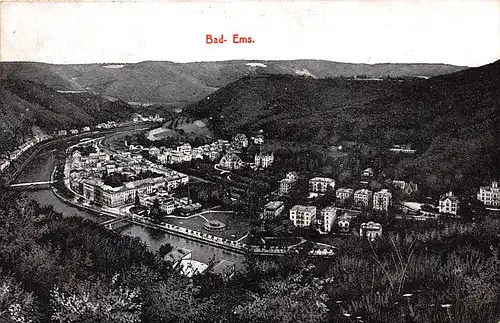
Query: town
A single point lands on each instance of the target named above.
(141, 183)
(144, 176)
(342, 165)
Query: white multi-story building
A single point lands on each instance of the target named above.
(287, 183)
(154, 151)
(382, 200)
(164, 158)
(343, 226)
(489, 195)
(343, 194)
(303, 216)
(329, 217)
(448, 203)
(285, 186)
(272, 210)
(240, 141)
(264, 160)
(231, 161)
(185, 148)
(176, 157)
(321, 184)
(293, 175)
(370, 230)
(363, 197)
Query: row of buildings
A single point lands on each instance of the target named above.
(329, 219)
(380, 200)
(10, 156)
(232, 161)
(64, 132)
(186, 153)
(86, 177)
(106, 125)
(324, 221)
(156, 118)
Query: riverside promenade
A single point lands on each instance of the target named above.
(194, 235)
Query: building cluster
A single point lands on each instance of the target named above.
(330, 219)
(231, 160)
(380, 200)
(223, 150)
(86, 178)
(106, 125)
(186, 153)
(74, 131)
(156, 118)
(8, 157)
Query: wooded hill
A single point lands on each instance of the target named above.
(453, 120)
(25, 104)
(180, 83)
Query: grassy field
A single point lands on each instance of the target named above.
(197, 127)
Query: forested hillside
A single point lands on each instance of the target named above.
(452, 120)
(25, 104)
(182, 83)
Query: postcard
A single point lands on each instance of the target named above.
(250, 161)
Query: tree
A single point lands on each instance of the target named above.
(137, 200)
(155, 212)
(96, 301)
(16, 305)
(164, 249)
(295, 298)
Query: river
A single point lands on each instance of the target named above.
(41, 168)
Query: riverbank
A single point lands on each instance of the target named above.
(197, 236)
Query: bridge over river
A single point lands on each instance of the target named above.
(32, 185)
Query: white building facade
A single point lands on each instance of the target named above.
(303, 216)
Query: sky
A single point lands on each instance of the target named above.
(459, 32)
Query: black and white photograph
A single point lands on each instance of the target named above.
(250, 161)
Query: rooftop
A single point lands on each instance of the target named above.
(322, 179)
(371, 226)
(273, 205)
(345, 190)
(177, 254)
(303, 208)
(223, 266)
